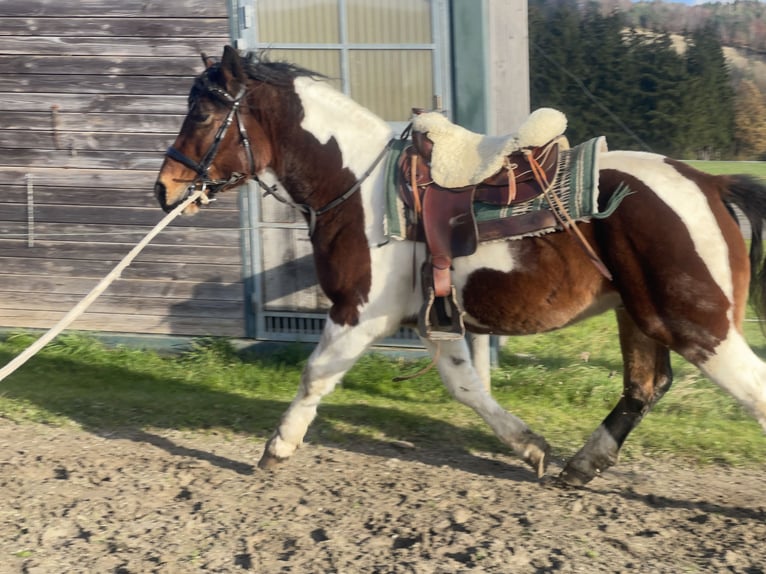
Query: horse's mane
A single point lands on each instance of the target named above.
(257, 66)
(281, 74)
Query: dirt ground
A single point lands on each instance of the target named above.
(136, 502)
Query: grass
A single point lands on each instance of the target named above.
(545, 379)
(757, 168)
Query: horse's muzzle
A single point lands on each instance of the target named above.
(160, 192)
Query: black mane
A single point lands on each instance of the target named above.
(259, 67)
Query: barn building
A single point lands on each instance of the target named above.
(94, 92)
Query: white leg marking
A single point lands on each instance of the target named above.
(601, 445)
(736, 369)
(463, 383)
(337, 351)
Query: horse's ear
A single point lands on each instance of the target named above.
(207, 60)
(232, 68)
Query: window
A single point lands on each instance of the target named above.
(388, 56)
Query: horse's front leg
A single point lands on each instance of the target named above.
(337, 351)
(453, 361)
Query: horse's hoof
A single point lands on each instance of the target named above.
(269, 461)
(536, 455)
(577, 477)
(556, 481)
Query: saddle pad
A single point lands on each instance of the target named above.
(576, 185)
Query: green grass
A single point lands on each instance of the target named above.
(545, 379)
(757, 168)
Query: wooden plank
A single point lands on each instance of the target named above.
(160, 271)
(134, 27)
(93, 122)
(101, 179)
(82, 159)
(122, 216)
(127, 323)
(116, 197)
(95, 103)
(181, 66)
(44, 141)
(202, 290)
(14, 193)
(172, 235)
(132, 305)
(114, 8)
(84, 46)
(222, 255)
(97, 84)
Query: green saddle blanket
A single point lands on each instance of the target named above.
(576, 186)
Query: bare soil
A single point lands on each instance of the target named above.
(137, 501)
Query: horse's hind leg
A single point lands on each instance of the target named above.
(738, 370)
(453, 361)
(337, 351)
(647, 376)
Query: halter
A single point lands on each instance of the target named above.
(314, 213)
(201, 168)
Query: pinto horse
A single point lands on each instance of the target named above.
(680, 269)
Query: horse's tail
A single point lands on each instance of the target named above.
(748, 193)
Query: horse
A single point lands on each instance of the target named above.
(680, 271)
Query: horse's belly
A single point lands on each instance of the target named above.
(531, 286)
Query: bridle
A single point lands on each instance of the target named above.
(213, 186)
(203, 179)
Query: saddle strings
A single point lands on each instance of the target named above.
(562, 215)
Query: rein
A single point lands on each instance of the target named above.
(314, 213)
(201, 168)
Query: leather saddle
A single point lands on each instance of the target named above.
(444, 217)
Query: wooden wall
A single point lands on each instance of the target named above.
(92, 93)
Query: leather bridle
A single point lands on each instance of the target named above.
(212, 186)
(201, 167)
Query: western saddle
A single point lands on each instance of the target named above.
(444, 171)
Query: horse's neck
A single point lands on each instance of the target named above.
(360, 135)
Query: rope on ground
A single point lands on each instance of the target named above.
(80, 308)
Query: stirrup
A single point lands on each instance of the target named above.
(435, 324)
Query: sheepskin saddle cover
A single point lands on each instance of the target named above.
(462, 158)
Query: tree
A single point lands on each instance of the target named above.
(750, 122)
(656, 93)
(709, 97)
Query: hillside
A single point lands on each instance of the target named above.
(740, 24)
(747, 64)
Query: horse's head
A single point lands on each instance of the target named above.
(221, 143)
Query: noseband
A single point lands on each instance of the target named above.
(201, 168)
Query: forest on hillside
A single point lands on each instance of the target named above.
(740, 24)
(634, 85)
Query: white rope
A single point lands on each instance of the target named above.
(79, 309)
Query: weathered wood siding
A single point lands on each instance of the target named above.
(92, 93)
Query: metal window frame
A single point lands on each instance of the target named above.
(301, 326)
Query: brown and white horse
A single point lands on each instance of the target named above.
(680, 267)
